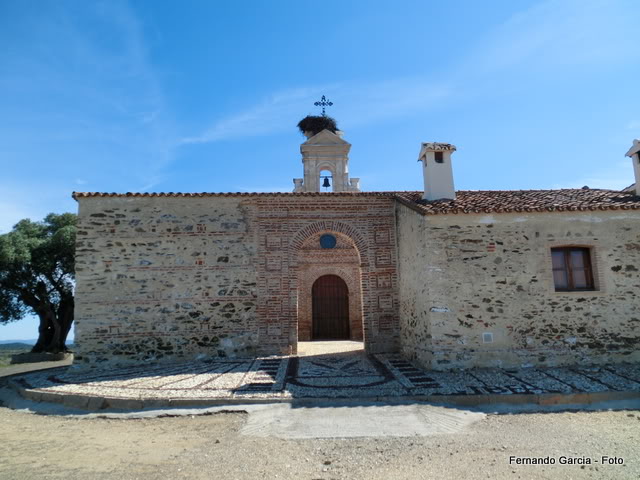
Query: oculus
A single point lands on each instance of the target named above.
(328, 241)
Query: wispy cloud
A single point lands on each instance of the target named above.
(104, 111)
(99, 104)
(556, 35)
(561, 35)
(393, 98)
(359, 104)
(271, 115)
(616, 176)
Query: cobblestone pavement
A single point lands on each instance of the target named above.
(349, 374)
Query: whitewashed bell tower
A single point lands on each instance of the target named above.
(324, 151)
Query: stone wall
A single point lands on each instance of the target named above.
(170, 278)
(413, 264)
(465, 275)
(164, 278)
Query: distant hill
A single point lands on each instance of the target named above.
(15, 345)
(26, 342)
(20, 345)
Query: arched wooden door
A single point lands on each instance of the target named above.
(330, 308)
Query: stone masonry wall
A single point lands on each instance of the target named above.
(164, 278)
(465, 275)
(170, 278)
(415, 328)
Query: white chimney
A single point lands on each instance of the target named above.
(437, 171)
(634, 153)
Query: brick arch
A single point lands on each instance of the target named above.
(306, 270)
(344, 242)
(330, 226)
(329, 271)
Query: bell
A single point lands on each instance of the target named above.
(326, 183)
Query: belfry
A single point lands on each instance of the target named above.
(325, 151)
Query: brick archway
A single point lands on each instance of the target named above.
(314, 262)
(284, 223)
(329, 226)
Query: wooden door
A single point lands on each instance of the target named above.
(330, 308)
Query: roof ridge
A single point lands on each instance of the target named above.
(370, 192)
(467, 201)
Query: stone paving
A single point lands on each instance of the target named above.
(347, 374)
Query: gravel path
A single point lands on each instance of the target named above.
(206, 447)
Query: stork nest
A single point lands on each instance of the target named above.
(316, 124)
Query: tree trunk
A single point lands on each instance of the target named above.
(65, 318)
(54, 326)
(45, 329)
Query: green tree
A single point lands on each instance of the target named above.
(37, 263)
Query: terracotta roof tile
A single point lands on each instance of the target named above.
(77, 195)
(505, 201)
(492, 201)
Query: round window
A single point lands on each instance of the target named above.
(328, 241)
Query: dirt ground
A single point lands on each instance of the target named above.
(212, 446)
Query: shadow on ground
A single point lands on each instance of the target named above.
(349, 375)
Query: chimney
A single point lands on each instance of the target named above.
(437, 171)
(634, 153)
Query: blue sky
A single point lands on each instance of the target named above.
(205, 95)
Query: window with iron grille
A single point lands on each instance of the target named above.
(572, 270)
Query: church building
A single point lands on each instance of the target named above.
(450, 279)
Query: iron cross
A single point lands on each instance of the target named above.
(323, 103)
